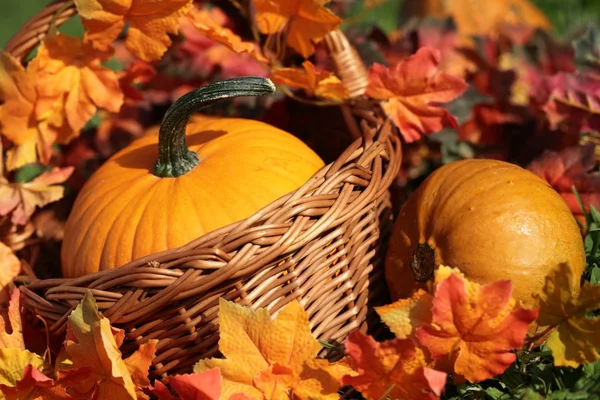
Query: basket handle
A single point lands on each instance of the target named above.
(37, 27)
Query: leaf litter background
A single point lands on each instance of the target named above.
(562, 368)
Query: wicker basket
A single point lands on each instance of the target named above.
(322, 244)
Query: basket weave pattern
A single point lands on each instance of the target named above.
(322, 245)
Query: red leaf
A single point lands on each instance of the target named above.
(571, 167)
(413, 91)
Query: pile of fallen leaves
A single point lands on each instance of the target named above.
(455, 87)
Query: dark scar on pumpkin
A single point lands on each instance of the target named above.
(422, 263)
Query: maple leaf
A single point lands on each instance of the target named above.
(572, 166)
(149, 23)
(199, 386)
(306, 21)
(267, 358)
(476, 329)
(20, 121)
(72, 70)
(564, 305)
(35, 385)
(394, 369)
(138, 364)
(413, 91)
(91, 342)
(492, 124)
(209, 22)
(571, 101)
(10, 266)
(138, 72)
(21, 199)
(319, 83)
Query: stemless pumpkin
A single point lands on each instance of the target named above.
(158, 194)
(492, 220)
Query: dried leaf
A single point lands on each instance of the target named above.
(564, 305)
(138, 364)
(572, 166)
(10, 266)
(306, 21)
(413, 91)
(149, 23)
(35, 385)
(394, 369)
(318, 83)
(92, 343)
(476, 329)
(20, 121)
(72, 70)
(406, 315)
(266, 358)
(207, 22)
(200, 386)
(13, 340)
(21, 199)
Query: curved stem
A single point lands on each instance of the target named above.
(174, 157)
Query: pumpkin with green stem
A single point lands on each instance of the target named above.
(158, 193)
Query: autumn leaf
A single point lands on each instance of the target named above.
(138, 364)
(318, 83)
(394, 369)
(200, 386)
(405, 315)
(571, 101)
(267, 358)
(572, 166)
(10, 266)
(412, 92)
(149, 23)
(21, 199)
(305, 21)
(475, 326)
(138, 72)
(565, 306)
(13, 340)
(91, 343)
(207, 22)
(69, 68)
(35, 385)
(20, 121)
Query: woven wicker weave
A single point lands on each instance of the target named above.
(322, 244)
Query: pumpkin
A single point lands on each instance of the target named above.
(474, 18)
(158, 193)
(492, 220)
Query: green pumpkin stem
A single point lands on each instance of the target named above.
(174, 157)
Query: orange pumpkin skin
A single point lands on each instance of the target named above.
(125, 212)
(490, 219)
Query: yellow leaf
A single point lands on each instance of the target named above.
(10, 266)
(564, 305)
(15, 339)
(306, 21)
(150, 23)
(91, 343)
(318, 83)
(267, 358)
(13, 363)
(406, 315)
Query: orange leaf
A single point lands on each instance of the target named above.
(10, 266)
(95, 346)
(306, 21)
(150, 23)
(138, 364)
(319, 83)
(21, 199)
(394, 369)
(19, 119)
(564, 305)
(13, 340)
(208, 22)
(202, 386)
(265, 358)
(72, 70)
(413, 91)
(476, 329)
(35, 385)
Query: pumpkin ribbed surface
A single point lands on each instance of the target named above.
(491, 219)
(125, 212)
